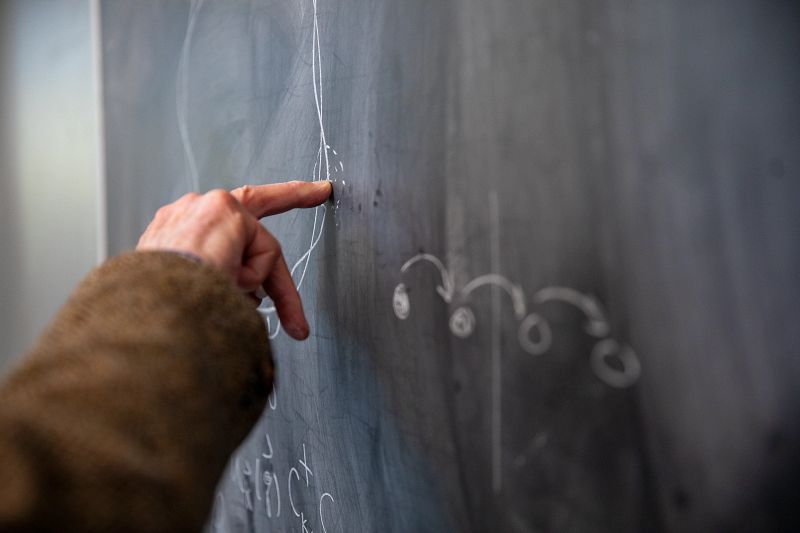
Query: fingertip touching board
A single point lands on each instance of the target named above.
(556, 288)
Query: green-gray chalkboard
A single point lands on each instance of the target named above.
(557, 288)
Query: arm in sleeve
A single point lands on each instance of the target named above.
(124, 414)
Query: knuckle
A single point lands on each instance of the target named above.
(220, 198)
(244, 193)
(239, 218)
(162, 213)
(274, 244)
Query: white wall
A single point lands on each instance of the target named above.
(48, 163)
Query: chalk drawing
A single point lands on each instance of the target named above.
(292, 473)
(614, 364)
(256, 480)
(621, 378)
(260, 486)
(273, 398)
(304, 463)
(182, 98)
(244, 485)
(267, 454)
(514, 291)
(462, 322)
(445, 290)
(261, 490)
(518, 300)
(321, 500)
(545, 336)
(323, 168)
(596, 325)
(401, 302)
(534, 331)
(270, 479)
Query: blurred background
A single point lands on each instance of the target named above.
(49, 163)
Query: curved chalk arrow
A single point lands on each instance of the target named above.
(596, 326)
(445, 290)
(514, 291)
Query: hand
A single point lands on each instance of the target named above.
(222, 228)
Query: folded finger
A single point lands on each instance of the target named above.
(281, 289)
(263, 265)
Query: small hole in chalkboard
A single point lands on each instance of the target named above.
(375, 204)
(681, 499)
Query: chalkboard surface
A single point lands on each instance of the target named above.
(557, 288)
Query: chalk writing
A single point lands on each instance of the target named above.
(321, 501)
(262, 491)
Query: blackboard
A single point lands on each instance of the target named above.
(557, 287)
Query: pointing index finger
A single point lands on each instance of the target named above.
(265, 200)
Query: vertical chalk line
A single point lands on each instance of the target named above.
(322, 157)
(316, 73)
(316, 61)
(182, 98)
(496, 377)
(193, 179)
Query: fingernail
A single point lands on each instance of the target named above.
(298, 332)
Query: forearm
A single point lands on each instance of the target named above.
(124, 414)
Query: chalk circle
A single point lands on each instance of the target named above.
(462, 322)
(400, 302)
(544, 334)
(621, 379)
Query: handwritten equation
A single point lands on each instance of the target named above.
(264, 489)
(273, 491)
(533, 332)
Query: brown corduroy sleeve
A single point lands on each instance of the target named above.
(123, 416)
